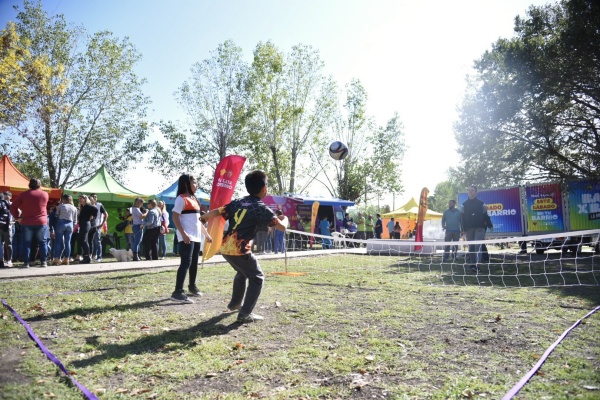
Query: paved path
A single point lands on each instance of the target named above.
(111, 266)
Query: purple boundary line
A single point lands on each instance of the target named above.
(86, 392)
(515, 389)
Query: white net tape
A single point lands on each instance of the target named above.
(561, 259)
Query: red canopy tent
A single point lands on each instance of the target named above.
(11, 179)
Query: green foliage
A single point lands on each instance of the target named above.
(214, 98)
(532, 111)
(18, 71)
(443, 192)
(372, 168)
(86, 104)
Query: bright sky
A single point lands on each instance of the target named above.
(411, 56)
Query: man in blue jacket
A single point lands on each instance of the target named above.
(452, 224)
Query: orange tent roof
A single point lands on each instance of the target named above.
(13, 180)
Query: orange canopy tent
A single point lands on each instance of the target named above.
(12, 180)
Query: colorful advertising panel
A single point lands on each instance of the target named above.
(504, 209)
(544, 208)
(584, 205)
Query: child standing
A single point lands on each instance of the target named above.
(244, 216)
(186, 217)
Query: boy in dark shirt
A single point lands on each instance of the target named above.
(245, 215)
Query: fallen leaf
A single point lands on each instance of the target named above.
(239, 346)
(40, 381)
(121, 390)
(369, 358)
(498, 318)
(588, 387)
(238, 362)
(99, 391)
(210, 375)
(145, 327)
(72, 373)
(152, 396)
(118, 367)
(362, 371)
(49, 394)
(277, 304)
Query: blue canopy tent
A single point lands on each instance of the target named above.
(169, 194)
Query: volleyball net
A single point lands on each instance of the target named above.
(561, 259)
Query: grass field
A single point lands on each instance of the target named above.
(351, 327)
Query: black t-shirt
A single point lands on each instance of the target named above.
(244, 216)
(88, 213)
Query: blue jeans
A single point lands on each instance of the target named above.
(137, 238)
(162, 246)
(269, 243)
(62, 238)
(97, 242)
(279, 241)
(39, 233)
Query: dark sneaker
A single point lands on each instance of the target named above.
(194, 291)
(234, 307)
(181, 297)
(26, 265)
(246, 318)
(44, 264)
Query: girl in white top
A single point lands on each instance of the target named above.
(186, 217)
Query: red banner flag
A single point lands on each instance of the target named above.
(421, 217)
(226, 177)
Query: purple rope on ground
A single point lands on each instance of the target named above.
(515, 389)
(89, 395)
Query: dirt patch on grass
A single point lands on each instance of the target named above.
(9, 367)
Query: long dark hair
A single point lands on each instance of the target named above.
(184, 186)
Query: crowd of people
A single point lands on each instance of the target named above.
(64, 233)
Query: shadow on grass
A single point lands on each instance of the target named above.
(129, 276)
(94, 310)
(158, 343)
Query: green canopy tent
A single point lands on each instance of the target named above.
(114, 196)
(107, 189)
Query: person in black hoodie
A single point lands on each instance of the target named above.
(474, 224)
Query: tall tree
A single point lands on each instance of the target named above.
(372, 167)
(311, 99)
(214, 99)
(87, 110)
(292, 106)
(269, 113)
(532, 112)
